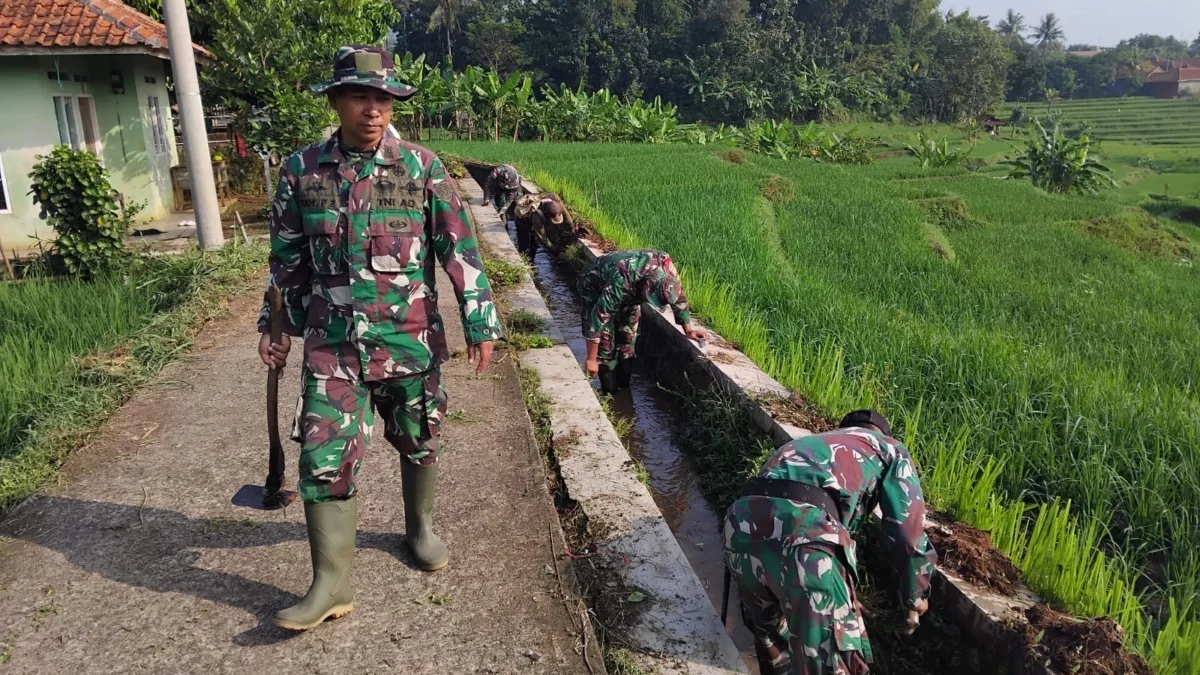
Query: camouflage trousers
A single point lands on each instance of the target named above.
(617, 341)
(801, 608)
(335, 417)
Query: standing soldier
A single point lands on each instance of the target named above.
(613, 290)
(502, 187)
(536, 217)
(789, 549)
(355, 225)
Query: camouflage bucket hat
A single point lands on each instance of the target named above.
(366, 66)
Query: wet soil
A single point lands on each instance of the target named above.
(1080, 647)
(797, 412)
(968, 553)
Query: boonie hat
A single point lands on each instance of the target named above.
(367, 66)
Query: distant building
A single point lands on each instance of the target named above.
(90, 74)
(1174, 77)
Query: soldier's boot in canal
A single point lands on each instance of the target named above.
(608, 380)
(624, 373)
(331, 530)
(419, 486)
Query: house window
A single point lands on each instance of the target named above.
(157, 125)
(5, 204)
(77, 128)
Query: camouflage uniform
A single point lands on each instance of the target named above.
(351, 235)
(533, 227)
(502, 187)
(613, 290)
(795, 566)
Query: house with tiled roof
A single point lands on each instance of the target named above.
(1174, 77)
(91, 74)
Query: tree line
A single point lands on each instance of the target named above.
(717, 61)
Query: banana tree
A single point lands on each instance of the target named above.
(522, 104)
(494, 95)
(462, 99)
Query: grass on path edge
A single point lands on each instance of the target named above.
(199, 283)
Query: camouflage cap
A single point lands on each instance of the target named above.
(366, 66)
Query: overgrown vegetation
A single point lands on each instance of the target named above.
(930, 153)
(71, 352)
(503, 274)
(81, 205)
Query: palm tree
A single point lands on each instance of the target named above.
(1012, 25)
(1048, 31)
(445, 16)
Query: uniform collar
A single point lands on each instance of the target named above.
(388, 153)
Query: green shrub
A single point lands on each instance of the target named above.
(936, 154)
(81, 205)
(1060, 164)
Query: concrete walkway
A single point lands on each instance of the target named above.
(138, 562)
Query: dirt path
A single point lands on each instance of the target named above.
(139, 563)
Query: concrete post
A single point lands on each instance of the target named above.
(191, 116)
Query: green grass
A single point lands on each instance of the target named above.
(1069, 358)
(71, 352)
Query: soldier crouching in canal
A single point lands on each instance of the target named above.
(613, 290)
(355, 224)
(537, 217)
(788, 545)
(502, 187)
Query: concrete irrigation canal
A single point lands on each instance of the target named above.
(972, 628)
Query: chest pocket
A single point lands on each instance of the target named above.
(326, 242)
(318, 200)
(397, 242)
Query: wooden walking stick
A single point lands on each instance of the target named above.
(274, 496)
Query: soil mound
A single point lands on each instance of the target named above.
(1082, 647)
(968, 552)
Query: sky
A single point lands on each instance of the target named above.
(1098, 22)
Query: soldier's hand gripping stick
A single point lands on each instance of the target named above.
(274, 496)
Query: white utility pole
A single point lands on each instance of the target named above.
(191, 116)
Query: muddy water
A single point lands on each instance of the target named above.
(653, 414)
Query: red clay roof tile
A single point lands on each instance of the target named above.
(102, 24)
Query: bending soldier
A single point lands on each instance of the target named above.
(502, 187)
(355, 225)
(789, 549)
(613, 290)
(535, 217)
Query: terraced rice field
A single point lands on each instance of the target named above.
(1022, 324)
(1135, 119)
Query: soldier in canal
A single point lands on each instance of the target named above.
(502, 187)
(788, 545)
(355, 225)
(613, 290)
(537, 217)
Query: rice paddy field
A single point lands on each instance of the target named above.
(1049, 344)
(1140, 119)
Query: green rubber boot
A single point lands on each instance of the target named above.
(420, 484)
(331, 530)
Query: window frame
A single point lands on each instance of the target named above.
(7, 207)
(158, 125)
(76, 118)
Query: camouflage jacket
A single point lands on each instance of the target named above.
(494, 190)
(350, 252)
(624, 279)
(861, 469)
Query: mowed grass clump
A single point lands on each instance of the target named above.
(1069, 358)
(71, 351)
